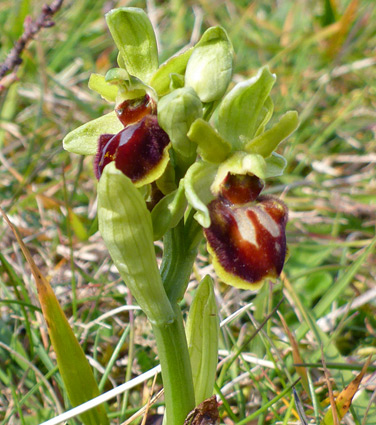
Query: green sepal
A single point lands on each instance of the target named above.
(275, 165)
(126, 228)
(176, 81)
(129, 87)
(166, 183)
(265, 143)
(211, 146)
(168, 212)
(84, 139)
(99, 84)
(239, 163)
(202, 331)
(161, 80)
(264, 115)
(176, 113)
(237, 117)
(197, 182)
(134, 36)
(209, 69)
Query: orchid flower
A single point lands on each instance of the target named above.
(245, 232)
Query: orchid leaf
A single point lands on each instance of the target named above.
(266, 142)
(99, 84)
(211, 146)
(134, 36)
(197, 182)
(84, 139)
(202, 336)
(237, 118)
(209, 69)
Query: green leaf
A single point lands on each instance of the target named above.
(237, 118)
(266, 142)
(73, 366)
(176, 113)
(209, 69)
(160, 80)
(202, 331)
(77, 226)
(134, 36)
(239, 163)
(84, 139)
(168, 212)
(211, 146)
(197, 182)
(99, 84)
(126, 227)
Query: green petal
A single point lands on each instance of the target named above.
(134, 36)
(99, 84)
(209, 69)
(126, 227)
(160, 80)
(211, 146)
(237, 118)
(168, 212)
(239, 163)
(84, 140)
(265, 143)
(264, 115)
(202, 336)
(176, 113)
(275, 165)
(197, 182)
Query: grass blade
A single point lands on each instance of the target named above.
(73, 365)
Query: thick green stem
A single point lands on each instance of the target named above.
(176, 369)
(180, 251)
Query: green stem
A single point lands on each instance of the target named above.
(176, 369)
(180, 251)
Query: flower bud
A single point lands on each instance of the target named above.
(209, 68)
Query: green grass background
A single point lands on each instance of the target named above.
(324, 55)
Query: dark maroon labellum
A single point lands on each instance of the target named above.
(133, 110)
(240, 189)
(137, 150)
(248, 242)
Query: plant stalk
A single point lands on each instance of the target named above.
(176, 369)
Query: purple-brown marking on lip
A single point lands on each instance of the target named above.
(248, 241)
(133, 110)
(240, 189)
(136, 150)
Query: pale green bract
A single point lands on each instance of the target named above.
(126, 227)
(202, 331)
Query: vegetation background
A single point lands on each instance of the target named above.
(324, 55)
